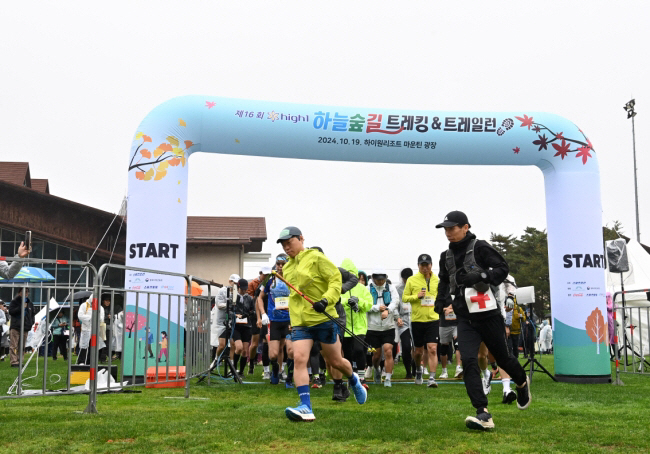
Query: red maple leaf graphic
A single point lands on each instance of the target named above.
(559, 135)
(210, 104)
(526, 121)
(562, 150)
(589, 144)
(583, 152)
(516, 150)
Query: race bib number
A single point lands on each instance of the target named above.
(282, 302)
(450, 316)
(406, 308)
(242, 321)
(479, 301)
(427, 301)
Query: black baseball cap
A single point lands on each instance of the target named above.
(288, 232)
(424, 258)
(242, 284)
(454, 218)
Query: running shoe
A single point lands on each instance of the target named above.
(363, 383)
(360, 393)
(345, 392)
(288, 384)
(432, 382)
(317, 384)
(459, 372)
(275, 379)
(482, 421)
(426, 371)
(266, 375)
(443, 374)
(377, 376)
(509, 397)
(251, 369)
(523, 396)
(387, 383)
(300, 413)
(486, 379)
(418, 377)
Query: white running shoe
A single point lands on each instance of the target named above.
(432, 382)
(266, 375)
(443, 374)
(426, 371)
(459, 372)
(387, 383)
(486, 378)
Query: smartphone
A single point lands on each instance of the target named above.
(28, 240)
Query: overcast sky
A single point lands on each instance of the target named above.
(78, 78)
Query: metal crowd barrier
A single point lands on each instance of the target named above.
(195, 314)
(16, 389)
(632, 325)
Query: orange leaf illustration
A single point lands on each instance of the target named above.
(183, 160)
(165, 147)
(160, 175)
(163, 166)
(145, 153)
(188, 144)
(596, 328)
(173, 140)
(146, 138)
(174, 162)
(181, 122)
(157, 152)
(139, 175)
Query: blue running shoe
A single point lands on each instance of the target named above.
(360, 393)
(288, 384)
(300, 413)
(275, 379)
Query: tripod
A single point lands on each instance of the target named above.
(535, 365)
(626, 341)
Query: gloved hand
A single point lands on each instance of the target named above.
(265, 319)
(509, 303)
(473, 278)
(353, 302)
(320, 306)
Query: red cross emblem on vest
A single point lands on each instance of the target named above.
(480, 298)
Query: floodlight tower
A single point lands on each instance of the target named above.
(629, 108)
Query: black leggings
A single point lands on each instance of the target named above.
(407, 347)
(353, 351)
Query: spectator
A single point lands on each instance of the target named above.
(9, 271)
(85, 315)
(19, 306)
(4, 331)
(60, 334)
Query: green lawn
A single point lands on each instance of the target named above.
(404, 418)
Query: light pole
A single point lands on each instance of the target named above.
(629, 108)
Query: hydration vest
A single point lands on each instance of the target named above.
(469, 265)
(385, 295)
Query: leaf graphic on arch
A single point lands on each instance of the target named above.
(182, 122)
(145, 153)
(173, 140)
(149, 174)
(146, 139)
(139, 135)
(596, 328)
(177, 151)
(188, 144)
(183, 160)
(139, 175)
(163, 166)
(174, 162)
(160, 175)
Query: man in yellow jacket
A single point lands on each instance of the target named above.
(421, 290)
(313, 274)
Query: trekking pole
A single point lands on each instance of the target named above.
(358, 339)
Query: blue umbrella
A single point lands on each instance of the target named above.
(31, 274)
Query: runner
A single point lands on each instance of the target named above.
(320, 280)
(381, 324)
(356, 302)
(277, 318)
(254, 287)
(244, 308)
(467, 270)
(420, 291)
(404, 325)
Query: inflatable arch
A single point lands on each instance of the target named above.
(158, 173)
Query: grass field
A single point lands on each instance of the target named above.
(405, 418)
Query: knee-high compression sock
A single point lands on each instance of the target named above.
(290, 370)
(235, 359)
(303, 393)
(265, 355)
(242, 364)
(275, 367)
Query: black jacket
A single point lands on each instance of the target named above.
(487, 257)
(245, 306)
(15, 309)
